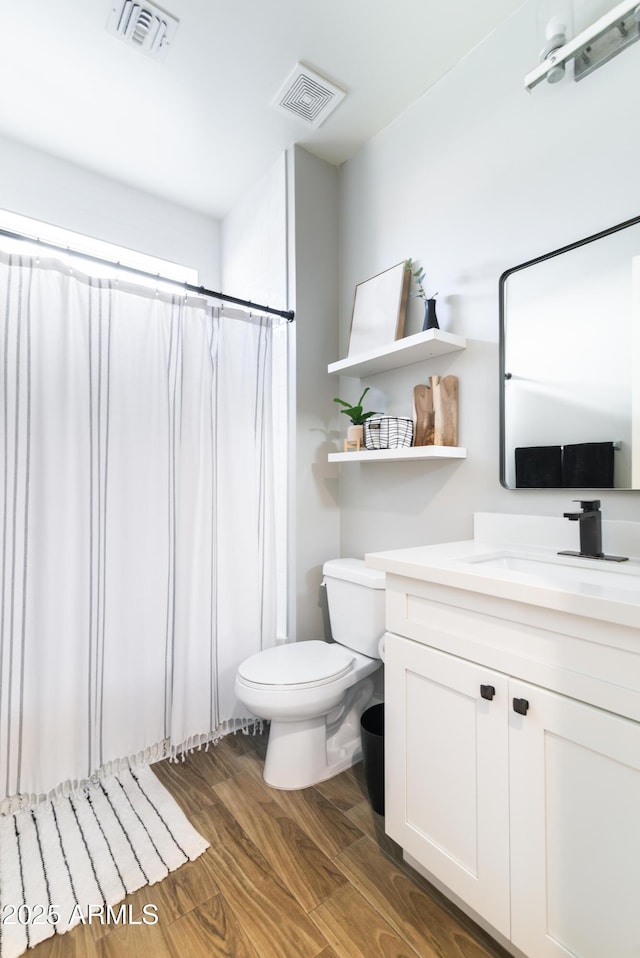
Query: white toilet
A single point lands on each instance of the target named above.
(315, 692)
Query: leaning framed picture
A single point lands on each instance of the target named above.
(379, 308)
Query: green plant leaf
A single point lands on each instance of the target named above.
(355, 413)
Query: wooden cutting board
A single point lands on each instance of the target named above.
(445, 408)
(423, 430)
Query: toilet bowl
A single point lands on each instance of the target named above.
(314, 692)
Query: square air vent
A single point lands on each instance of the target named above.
(308, 96)
(143, 26)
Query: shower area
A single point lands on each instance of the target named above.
(143, 519)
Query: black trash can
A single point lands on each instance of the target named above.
(372, 729)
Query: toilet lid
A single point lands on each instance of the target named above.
(298, 663)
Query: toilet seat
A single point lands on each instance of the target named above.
(298, 665)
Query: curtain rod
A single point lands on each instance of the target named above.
(287, 314)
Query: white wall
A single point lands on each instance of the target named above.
(255, 242)
(474, 178)
(313, 264)
(255, 267)
(280, 248)
(43, 187)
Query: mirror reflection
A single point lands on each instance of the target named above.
(570, 366)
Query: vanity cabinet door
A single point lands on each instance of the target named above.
(575, 839)
(446, 760)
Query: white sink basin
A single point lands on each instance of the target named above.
(591, 576)
(516, 558)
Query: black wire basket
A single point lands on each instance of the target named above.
(388, 432)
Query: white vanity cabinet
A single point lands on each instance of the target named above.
(574, 831)
(447, 772)
(513, 765)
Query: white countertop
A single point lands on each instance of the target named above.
(595, 588)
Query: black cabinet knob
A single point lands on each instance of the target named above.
(521, 706)
(487, 691)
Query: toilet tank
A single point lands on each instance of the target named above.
(356, 600)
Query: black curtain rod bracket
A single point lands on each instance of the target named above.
(287, 314)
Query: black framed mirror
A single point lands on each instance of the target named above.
(570, 365)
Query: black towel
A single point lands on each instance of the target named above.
(588, 465)
(539, 467)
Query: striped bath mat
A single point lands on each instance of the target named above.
(74, 859)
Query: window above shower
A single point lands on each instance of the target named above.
(91, 247)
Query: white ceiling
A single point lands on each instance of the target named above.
(198, 128)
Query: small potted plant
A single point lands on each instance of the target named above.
(418, 274)
(355, 432)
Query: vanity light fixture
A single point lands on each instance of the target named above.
(608, 35)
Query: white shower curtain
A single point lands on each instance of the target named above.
(138, 551)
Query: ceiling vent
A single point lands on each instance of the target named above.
(308, 96)
(143, 26)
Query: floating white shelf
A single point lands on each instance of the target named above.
(402, 352)
(394, 455)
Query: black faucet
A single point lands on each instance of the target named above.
(590, 520)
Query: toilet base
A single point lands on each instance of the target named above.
(303, 753)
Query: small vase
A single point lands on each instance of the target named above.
(430, 318)
(355, 436)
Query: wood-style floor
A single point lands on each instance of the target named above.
(306, 874)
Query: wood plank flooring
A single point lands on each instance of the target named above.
(306, 874)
